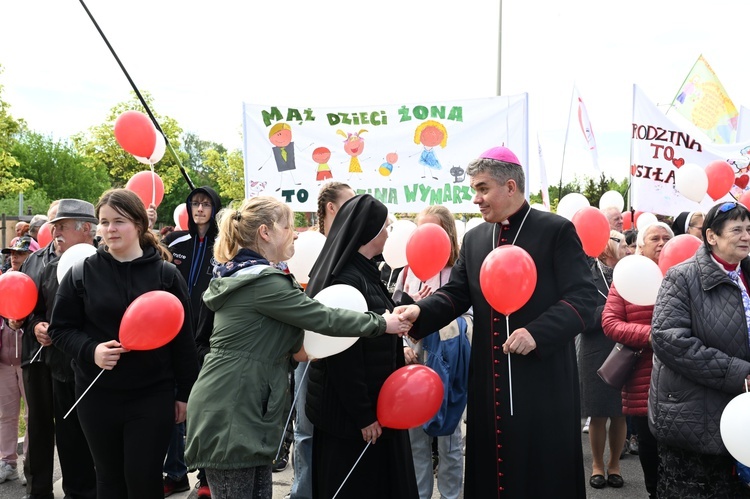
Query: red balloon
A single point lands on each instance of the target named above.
(677, 250)
(720, 179)
(410, 397)
(627, 220)
(19, 295)
(180, 217)
(151, 321)
(593, 230)
(744, 199)
(428, 250)
(143, 183)
(507, 278)
(44, 236)
(135, 133)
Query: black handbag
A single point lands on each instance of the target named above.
(619, 365)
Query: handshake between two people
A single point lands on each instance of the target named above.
(401, 319)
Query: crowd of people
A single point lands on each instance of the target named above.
(215, 398)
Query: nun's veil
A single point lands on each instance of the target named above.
(357, 222)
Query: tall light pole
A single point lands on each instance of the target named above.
(500, 50)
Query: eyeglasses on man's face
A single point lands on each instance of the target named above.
(198, 204)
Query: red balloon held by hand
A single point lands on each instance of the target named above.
(151, 321)
(19, 295)
(507, 278)
(135, 133)
(428, 250)
(410, 397)
(593, 230)
(148, 186)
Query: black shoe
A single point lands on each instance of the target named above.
(615, 480)
(598, 481)
(281, 464)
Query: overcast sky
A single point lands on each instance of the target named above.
(200, 60)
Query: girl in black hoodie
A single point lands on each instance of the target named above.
(128, 414)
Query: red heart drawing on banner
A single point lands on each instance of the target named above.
(742, 181)
(632, 170)
(678, 162)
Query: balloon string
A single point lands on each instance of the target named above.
(153, 184)
(16, 344)
(36, 355)
(510, 379)
(747, 389)
(350, 471)
(294, 402)
(84, 393)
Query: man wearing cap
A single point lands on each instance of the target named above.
(51, 391)
(534, 449)
(20, 251)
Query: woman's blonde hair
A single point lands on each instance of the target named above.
(448, 223)
(239, 228)
(612, 250)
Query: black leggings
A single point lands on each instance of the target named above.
(648, 454)
(128, 433)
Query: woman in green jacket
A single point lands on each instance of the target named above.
(237, 407)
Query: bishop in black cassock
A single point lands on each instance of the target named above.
(536, 452)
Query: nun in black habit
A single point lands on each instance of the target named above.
(343, 388)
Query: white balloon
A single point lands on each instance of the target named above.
(474, 222)
(319, 346)
(72, 255)
(644, 220)
(612, 199)
(159, 149)
(540, 207)
(307, 247)
(735, 428)
(394, 252)
(637, 279)
(691, 181)
(570, 204)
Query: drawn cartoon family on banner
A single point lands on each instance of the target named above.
(407, 156)
(660, 147)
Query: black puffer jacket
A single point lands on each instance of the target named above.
(700, 341)
(342, 392)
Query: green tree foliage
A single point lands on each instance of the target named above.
(99, 144)
(10, 182)
(228, 172)
(58, 169)
(593, 189)
(34, 201)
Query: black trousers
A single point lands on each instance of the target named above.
(648, 454)
(79, 476)
(39, 465)
(128, 433)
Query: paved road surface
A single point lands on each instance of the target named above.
(630, 467)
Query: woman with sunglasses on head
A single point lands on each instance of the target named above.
(702, 358)
(600, 401)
